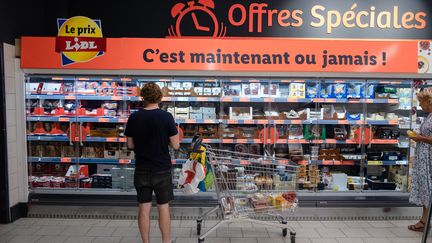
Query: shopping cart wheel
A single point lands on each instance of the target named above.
(200, 240)
(292, 237)
(199, 223)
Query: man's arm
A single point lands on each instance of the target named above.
(130, 143)
(175, 142)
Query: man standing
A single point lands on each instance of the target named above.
(150, 131)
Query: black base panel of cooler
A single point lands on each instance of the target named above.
(306, 199)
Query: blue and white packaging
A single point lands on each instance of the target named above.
(370, 91)
(340, 91)
(355, 91)
(312, 90)
(327, 90)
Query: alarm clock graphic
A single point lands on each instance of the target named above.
(195, 19)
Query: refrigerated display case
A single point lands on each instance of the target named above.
(346, 135)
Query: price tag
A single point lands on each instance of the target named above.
(401, 162)
(70, 97)
(111, 139)
(182, 99)
(116, 98)
(296, 122)
(122, 120)
(241, 140)
(122, 140)
(124, 161)
(244, 162)
(375, 162)
(66, 160)
(63, 119)
(232, 122)
(393, 122)
(103, 120)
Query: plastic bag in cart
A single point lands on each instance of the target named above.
(194, 170)
(191, 175)
(208, 181)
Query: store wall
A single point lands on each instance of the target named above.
(17, 20)
(15, 127)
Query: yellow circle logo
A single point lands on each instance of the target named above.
(79, 39)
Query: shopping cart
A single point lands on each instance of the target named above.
(251, 188)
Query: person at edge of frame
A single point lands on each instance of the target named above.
(421, 177)
(149, 132)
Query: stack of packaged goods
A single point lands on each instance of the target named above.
(101, 181)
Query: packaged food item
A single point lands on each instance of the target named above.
(340, 91)
(312, 90)
(232, 90)
(297, 90)
(355, 90)
(255, 89)
(327, 90)
(370, 91)
(296, 132)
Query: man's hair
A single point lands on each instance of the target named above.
(151, 93)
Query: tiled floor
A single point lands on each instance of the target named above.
(27, 230)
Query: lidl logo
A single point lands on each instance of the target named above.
(79, 39)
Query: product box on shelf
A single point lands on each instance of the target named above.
(295, 132)
(370, 91)
(126, 154)
(199, 91)
(355, 90)
(340, 91)
(195, 109)
(67, 151)
(101, 181)
(103, 131)
(340, 112)
(111, 154)
(196, 116)
(78, 171)
(314, 115)
(88, 88)
(232, 90)
(52, 88)
(312, 90)
(33, 88)
(93, 152)
(209, 116)
(208, 110)
(51, 151)
(240, 113)
(297, 90)
(103, 169)
(386, 92)
(327, 90)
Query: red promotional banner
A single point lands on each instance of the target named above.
(262, 55)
